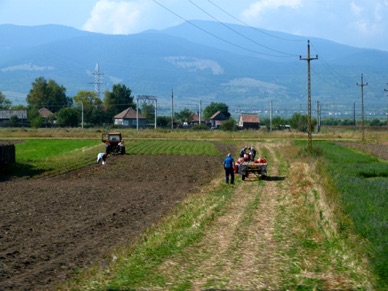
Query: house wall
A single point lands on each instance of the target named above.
(240, 122)
(5, 115)
(130, 123)
(251, 126)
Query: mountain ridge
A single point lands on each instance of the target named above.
(239, 72)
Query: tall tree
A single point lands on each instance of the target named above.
(4, 102)
(92, 106)
(47, 94)
(215, 107)
(68, 117)
(299, 122)
(186, 115)
(148, 110)
(118, 99)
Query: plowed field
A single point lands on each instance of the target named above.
(50, 227)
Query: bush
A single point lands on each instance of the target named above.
(200, 127)
(228, 125)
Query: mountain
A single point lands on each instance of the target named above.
(242, 66)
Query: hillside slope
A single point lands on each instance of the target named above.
(244, 67)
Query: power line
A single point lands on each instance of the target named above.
(330, 68)
(252, 27)
(235, 31)
(212, 34)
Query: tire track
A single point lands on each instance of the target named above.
(239, 250)
(260, 264)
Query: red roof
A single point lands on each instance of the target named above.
(195, 117)
(250, 118)
(128, 113)
(44, 112)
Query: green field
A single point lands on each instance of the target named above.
(360, 183)
(53, 156)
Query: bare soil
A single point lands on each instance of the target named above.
(50, 227)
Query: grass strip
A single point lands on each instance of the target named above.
(319, 258)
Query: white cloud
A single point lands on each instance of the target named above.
(356, 9)
(369, 19)
(257, 8)
(114, 17)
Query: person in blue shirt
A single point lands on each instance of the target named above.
(229, 170)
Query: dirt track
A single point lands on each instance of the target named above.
(50, 227)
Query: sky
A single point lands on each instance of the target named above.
(359, 23)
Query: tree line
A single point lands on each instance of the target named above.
(68, 111)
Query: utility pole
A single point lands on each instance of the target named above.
(270, 116)
(318, 117)
(309, 59)
(199, 112)
(362, 85)
(172, 108)
(354, 115)
(146, 98)
(82, 115)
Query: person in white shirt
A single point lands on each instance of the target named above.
(102, 157)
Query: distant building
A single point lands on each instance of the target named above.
(128, 118)
(45, 113)
(249, 121)
(5, 115)
(216, 119)
(195, 119)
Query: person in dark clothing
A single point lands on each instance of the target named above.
(253, 153)
(229, 171)
(243, 151)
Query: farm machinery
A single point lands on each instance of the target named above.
(114, 143)
(244, 166)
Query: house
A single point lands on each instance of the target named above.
(195, 119)
(216, 119)
(128, 118)
(5, 116)
(45, 113)
(249, 121)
